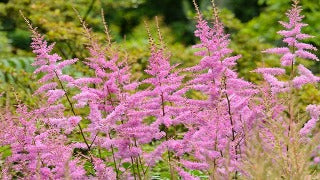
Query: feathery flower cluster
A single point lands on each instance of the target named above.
(162, 100)
(272, 105)
(314, 113)
(110, 128)
(37, 152)
(216, 124)
(50, 65)
(292, 36)
(295, 49)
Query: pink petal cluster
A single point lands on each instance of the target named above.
(215, 124)
(37, 152)
(314, 112)
(292, 36)
(306, 76)
(53, 80)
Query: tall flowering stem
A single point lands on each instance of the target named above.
(48, 63)
(217, 122)
(112, 83)
(161, 100)
(292, 36)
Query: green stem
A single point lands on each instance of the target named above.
(114, 159)
(139, 158)
(137, 164)
(166, 131)
(291, 103)
(133, 169)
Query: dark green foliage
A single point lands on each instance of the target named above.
(20, 39)
(245, 10)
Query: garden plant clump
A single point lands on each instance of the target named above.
(199, 122)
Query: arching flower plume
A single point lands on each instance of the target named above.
(215, 128)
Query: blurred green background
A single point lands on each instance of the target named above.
(252, 24)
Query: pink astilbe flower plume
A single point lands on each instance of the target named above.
(215, 128)
(276, 110)
(160, 101)
(37, 151)
(108, 101)
(292, 36)
(53, 80)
